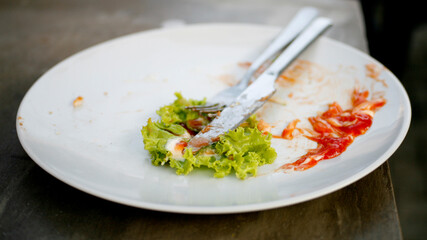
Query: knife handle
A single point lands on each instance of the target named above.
(310, 34)
(301, 20)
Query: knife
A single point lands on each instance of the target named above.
(254, 96)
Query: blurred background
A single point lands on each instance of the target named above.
(396, 32)
(397, 37)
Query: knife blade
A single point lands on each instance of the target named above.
(254, 96)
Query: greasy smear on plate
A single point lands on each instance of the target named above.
(335, 129)
(244, 65)
(228, 79)
(304, 82)
(298, 70)
(374, 71)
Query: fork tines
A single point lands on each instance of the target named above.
(207, 108)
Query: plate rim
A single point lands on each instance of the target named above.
(223, 209)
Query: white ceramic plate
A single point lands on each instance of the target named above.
(97, 147)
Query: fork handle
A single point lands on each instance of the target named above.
(315, 29)
(301, 20)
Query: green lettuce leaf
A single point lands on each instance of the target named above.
(176, 112)
(156, 136)
(240, 151)
(248, 147)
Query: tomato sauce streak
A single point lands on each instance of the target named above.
(180, 146)
(336, 129)
(287, 132)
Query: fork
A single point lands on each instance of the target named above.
(301, 20)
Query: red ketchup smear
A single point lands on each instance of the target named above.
(335, 129)
(287, 132)
(180, 146)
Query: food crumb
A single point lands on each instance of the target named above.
(264, 127)
(78, 101)
(105, 93)
(20, 121)
(50, 113)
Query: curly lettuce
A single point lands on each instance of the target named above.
(240, 151)
(176, 113)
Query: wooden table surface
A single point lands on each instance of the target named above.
(35, 35)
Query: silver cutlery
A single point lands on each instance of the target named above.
(254, 96)
(301, 20)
